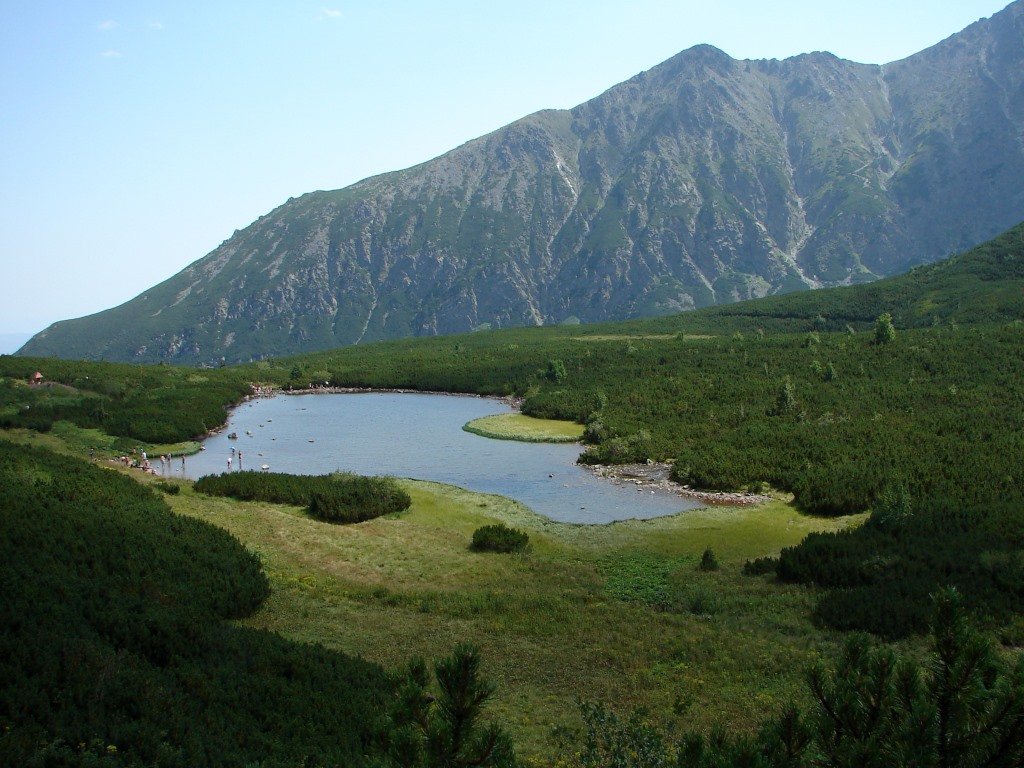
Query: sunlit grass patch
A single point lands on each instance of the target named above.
(630, 336)
(516, 426)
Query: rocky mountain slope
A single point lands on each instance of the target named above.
(705, 180)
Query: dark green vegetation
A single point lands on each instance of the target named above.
(708, 561)
(337, 498)
(705, 180)
(153, 404)
(982, 285)
(498, 538)
(114, 646)
(445, 730)
(962, 708)
(170, 488)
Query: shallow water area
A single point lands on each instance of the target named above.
(421, 436)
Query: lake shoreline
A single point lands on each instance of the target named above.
(421, 437)
(653, 476)
(512, 400)
(657, 476)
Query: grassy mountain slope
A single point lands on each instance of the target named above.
(982, 285)
(702, 181)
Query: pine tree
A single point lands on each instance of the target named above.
(885, 331)
(446, 731)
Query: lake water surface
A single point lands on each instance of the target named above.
(421, 436)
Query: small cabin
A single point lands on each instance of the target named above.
(36, 378)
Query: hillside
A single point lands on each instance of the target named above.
(982, 285)
(703, 181)
(116, 647)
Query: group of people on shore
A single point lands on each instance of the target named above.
(261, 390)
(139, 460)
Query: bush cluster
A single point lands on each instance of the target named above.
(337, 498)
(156, 404)
(498, 538)
(760, 566)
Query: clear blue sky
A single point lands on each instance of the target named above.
(136, 136)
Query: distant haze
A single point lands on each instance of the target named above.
(12, 342)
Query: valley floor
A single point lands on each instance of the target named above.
(618, 613)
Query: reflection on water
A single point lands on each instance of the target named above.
(421, 436)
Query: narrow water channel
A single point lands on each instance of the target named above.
(421, 436)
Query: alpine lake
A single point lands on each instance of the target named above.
(420, 436)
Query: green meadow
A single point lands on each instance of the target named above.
(615, 613)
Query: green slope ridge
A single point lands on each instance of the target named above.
(981, 285)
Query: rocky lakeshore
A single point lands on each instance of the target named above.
(657, 476)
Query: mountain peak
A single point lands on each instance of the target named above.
(704, 180)
(702, 55)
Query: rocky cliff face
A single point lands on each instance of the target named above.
(704, 180)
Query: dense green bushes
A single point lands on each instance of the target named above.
(114, 647)
(157, 404)
(963, 706)
(879, 577)
(337, 498)
(498, 538)
(355, 499)
(443, 727)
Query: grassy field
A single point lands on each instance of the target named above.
(618, 613)
(516, 426)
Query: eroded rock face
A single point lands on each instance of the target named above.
(704, 180)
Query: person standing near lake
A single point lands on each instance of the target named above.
(229, 463)
(239, 461)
